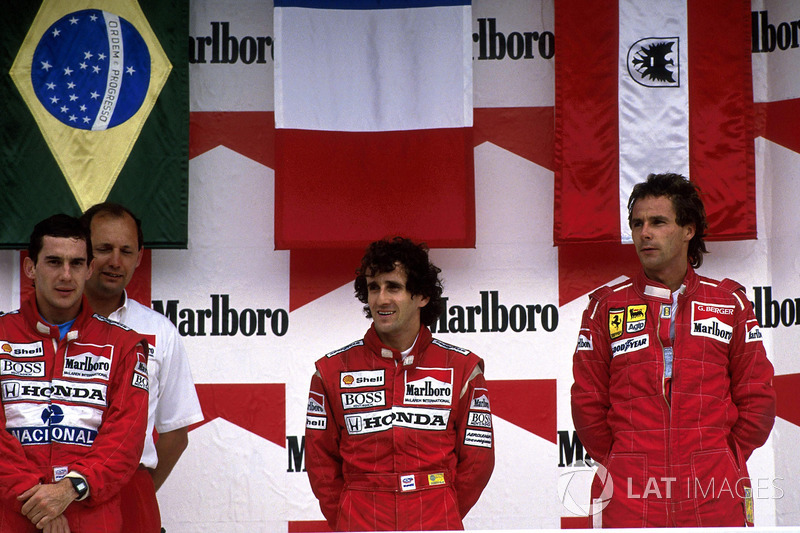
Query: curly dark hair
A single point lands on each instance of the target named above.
(687, 203)
(423, 276)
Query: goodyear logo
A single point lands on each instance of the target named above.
(632, 344)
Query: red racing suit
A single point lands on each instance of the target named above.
(78, 404)
(675, 446)
(398, 444)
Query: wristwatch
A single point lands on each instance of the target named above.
(80, 486)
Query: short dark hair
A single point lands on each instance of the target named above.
(116, 211)
(423, 276)
(61, 226)
(686, 201)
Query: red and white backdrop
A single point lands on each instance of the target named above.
(533, 227)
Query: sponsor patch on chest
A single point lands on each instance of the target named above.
(406, 417)
(363, 400)
(636, 316)
(362, 378)
(429, 386)
(713, 321)
(17, 349)
(632, 344)
(88, 361)
(616, 319)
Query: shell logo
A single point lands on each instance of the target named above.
(6, 347)
(348, 379)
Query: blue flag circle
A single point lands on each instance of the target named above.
(91, 70)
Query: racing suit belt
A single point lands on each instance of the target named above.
(392, 482)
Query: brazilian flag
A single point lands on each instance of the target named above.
(95, 107)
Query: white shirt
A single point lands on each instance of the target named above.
(173, 401)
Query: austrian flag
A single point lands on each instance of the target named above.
(647, 86)
(373, 117)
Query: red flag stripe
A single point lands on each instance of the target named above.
(587, 132)
(721, 115)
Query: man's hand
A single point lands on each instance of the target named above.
(57, 525)
(45, 503)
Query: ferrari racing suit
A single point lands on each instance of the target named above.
(398, 443)
(672, 393)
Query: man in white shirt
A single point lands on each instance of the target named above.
(117, 244)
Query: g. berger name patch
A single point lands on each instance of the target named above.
(713, 321)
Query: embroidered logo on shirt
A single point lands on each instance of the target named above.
(712, 321)
(616, 319)
(362, 378)
(429, 386)
(636, 318)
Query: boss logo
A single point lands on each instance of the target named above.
(360, 400)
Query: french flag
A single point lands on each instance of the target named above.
(652, 86)
(373, 118)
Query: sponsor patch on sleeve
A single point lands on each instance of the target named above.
(316, 404)
(480, 400)
(584, 343)
(752, 332)
(140, 377)
(479, 420)
(479, 438)
(316, 422)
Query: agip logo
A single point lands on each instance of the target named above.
(653, 62)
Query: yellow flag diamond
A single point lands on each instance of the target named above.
(90, 71)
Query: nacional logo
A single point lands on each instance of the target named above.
(52, 415)
(654, 62)
(361, 378)
(31, 349)
(712, 321)
(429, 386)
(91, 70)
